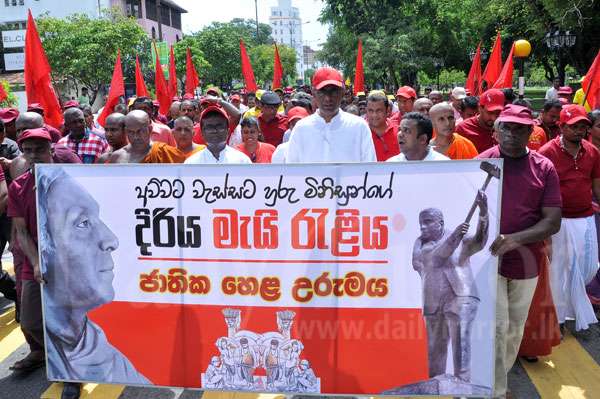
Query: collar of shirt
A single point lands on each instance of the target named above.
(578, 154)
(335, 120)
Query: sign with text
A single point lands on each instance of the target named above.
(13, 38)
(332, 279)
(14, 61)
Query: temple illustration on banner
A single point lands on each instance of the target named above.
(270, 361)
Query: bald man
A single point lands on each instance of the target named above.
(436, 97)
(446, 141)
(422, 106)
(183, 132)
(138, 128)
(114, 129)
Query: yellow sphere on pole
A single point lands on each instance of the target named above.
(522, 48)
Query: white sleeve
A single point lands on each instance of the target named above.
(368, 148)
(294, 148)
(279, 154)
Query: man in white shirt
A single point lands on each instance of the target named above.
(330, 134)
(214, 123)
(552, 93)
(414, 136)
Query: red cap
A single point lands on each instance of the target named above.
(288, 90)
(565, 90)
(235, 97)
(213, 109)
(573, 113)
(8, 115)
(406, 92)
(212, 89)
(326, 76)
(563, 101)
(71, 104)
(35, 107)
(176, 98)
(188, 96)
(155, 103)
(492, 100)
(39, 133)
(516, 114)
(297, 113)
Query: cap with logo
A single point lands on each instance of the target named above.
(573, 113)
(492, 100)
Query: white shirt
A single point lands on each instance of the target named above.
(227, 155)
(280, 153)
(235, 138)
(551, 94)
(286, 136)
(346, 138)
(432, 155)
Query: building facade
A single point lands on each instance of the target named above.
(13, 18)
(286, 26)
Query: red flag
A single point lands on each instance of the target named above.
(191, 77)
(277, 71)
(359, 75)
(38, 84)
(494, 65)
(117, 89)
(504, 81)
(140, 86)
(247, 71)
(162, 90)
(591, 84)
(474, 79)
(172, 75)
(3, 94)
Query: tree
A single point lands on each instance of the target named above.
(220, 44)
(83, 50)
(11, 100)
(418, 31)
(180, 51)
(262, 59)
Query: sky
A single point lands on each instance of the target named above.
(203, 12)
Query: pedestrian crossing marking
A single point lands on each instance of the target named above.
(90, 391)
(11, 336)
(569, 373)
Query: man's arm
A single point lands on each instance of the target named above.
(445, 249)
(546, 227)
(27, 246)
(232, 111)
(3, 196)
(417, 260)
(596, 188)
(474, 244)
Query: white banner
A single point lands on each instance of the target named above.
(14, 61)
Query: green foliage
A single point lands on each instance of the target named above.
(11, 100)
(401, 37)
(180, 51)
(448, 78)
(82, 49)
(262, 58)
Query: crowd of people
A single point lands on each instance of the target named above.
(548, 245)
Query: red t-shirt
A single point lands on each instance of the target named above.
(395, 119)
(529, 184)
(575, 176)
(387, 145)
(481, 137)
(263, 154)
(21, 203)
(273, 130)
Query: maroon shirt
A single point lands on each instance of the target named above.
(529, 184)
(576, 175)
(21, 203)
(273, 130)
(55, 134)
(480, 136)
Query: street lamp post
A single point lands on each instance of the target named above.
(438, 64)
(522, 51)
(560, 42)
(483, 52)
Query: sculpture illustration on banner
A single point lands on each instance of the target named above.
(243, 355)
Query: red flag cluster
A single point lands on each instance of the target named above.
(474, 79)
(247, 71)
(505, 78)
(191, 77)
(277, 71)
(3, 94)
(494, 65)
